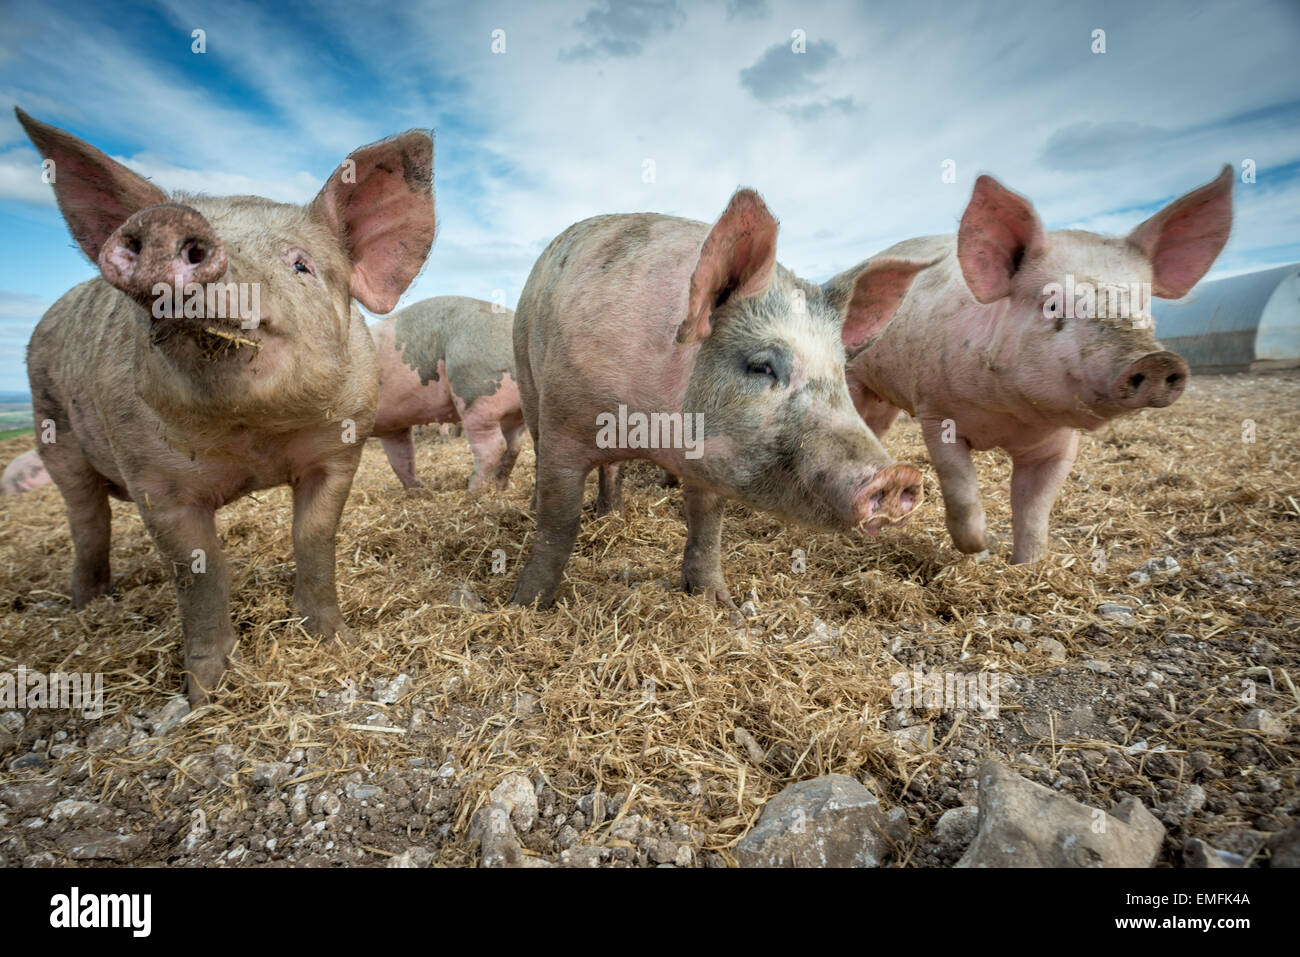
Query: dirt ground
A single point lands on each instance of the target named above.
(653, 726)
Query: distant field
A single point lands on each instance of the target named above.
(15, 412)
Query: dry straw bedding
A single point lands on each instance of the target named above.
(641, 688)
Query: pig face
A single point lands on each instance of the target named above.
(248, 302)
(1074, 333)
(781, 430)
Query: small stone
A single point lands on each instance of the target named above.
(106, 738)
(1196, 853)
(566, 838)
(390, 692)
(916, 739)
(25, 762)
(98, 844)
(29, 795)
(498, 845)
(169, 715)
(412, 857)
(464, 597)
(751, 746)
(1262, 721)
(585, 856)
(1117, 614)
(956, 827)
(272, 774)
(81, 813)
(626, 828)
(12, 721)
(518, 796)
(1190, 800)
(362, 792)
(663, 852)
(1052, 648)
(1022, 623)
(1099, 667)
(829, 821)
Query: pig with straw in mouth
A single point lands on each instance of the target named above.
(1019, 337)
(185, 411)
(645, 317)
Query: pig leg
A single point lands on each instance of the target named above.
(512, 430)
(609, 495)
(86, 497)
(488, 444)
(702, 560)
(186, 536)
(959, 484)
(318, 499)
(400, 448)
(559, 514)
(1035, 482)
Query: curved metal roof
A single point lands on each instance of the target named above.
(1225, 305)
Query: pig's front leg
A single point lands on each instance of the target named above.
(609, 489)
(318, 498)
(400, 449)
(1035, 481)
(558, 495)
(702, 560)
(186, 536)
(963, 512)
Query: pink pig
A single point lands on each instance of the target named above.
(997, 346)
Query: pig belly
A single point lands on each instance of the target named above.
(411, 403)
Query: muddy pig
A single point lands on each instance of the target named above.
(24, 473)
(1020, 337)
(219, 352)
(648, 336)
(450, 359)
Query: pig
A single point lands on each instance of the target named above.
(23, 474)
(184, 411)
(987, 354)
(450, 359)
(736, 364)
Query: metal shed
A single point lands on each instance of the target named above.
(1237, 324)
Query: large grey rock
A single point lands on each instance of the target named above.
(28, 795)
(1023, 824)
(97, 844)
(517, 795)
(498, 844)
(830, 821)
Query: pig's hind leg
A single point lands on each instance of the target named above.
(513, 430)
(609, 489)
(85, 494)
(400, 448)
(702, 560)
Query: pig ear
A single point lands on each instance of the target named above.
(998, 228)
(1183, 239)
(736, 260)
(877, 291)
(95, 194)
(379, 203)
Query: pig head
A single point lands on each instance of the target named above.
(219, 352)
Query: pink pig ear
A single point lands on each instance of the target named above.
(1183, 239)
(998, 228)
(379, 202)
(96, 194)
(736, 261)
(878, 289)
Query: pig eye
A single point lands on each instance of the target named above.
(302, 265)
(299, 261)
(761, 368)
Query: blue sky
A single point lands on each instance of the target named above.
(846, 141)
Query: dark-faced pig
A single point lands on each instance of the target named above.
(450, 359)
(648, 336)
(157, 383)
(1019, 337)
(24, 473)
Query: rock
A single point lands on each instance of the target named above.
(498, 845)
(585, 856)
(1284, 848)
(916, 739)
(956, 827)
(751, 746)
(464, 597)
(390, 692)
(272, 774)
(1052, 648)
(1117, 614)
(626, 828)
(1196, 853)
(830, 821)
(412, 857)
(1190, 799)
(518, 796)
(28, 762)
(1022, 824)
(169, 715)
(81, 813)
(362, 792)
(107, 738)
(662, 852)
(96, 844)
(1262, 721)
(12, 721)
(1022, 623)
(29, 795)
(1099, 667)
(7, 740)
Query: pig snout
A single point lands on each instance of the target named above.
(1154, 381)
(168, 243)
(888, 498)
